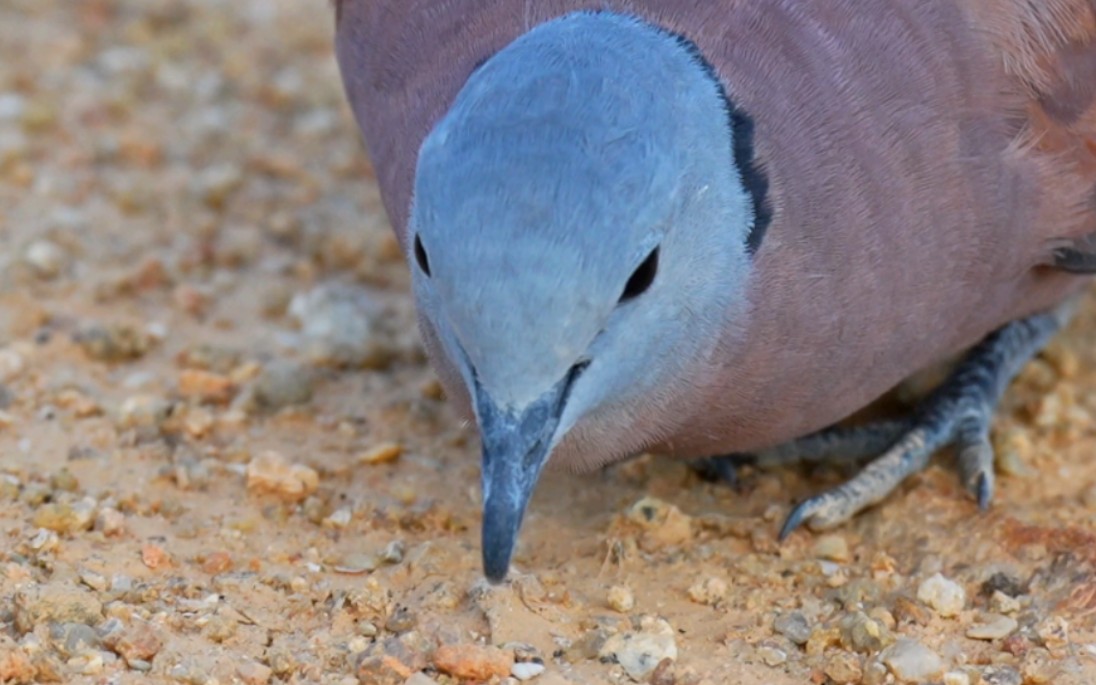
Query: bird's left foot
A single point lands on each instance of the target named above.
(958, 413)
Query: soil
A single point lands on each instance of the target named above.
(223, 457)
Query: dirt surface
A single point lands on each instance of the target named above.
(223, 458)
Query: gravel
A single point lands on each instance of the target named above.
(912, 662)
(225, 458)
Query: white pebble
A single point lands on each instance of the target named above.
(526, 670)
(956, 678)
(912, 662)
(771, 654)
(11, 364)
(340, 518)
(992, 627)
(46, 257)
(944, 595)
(12, 106)
(639, 653)
(1003, 604)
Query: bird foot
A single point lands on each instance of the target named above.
(959, 412)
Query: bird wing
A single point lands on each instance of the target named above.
(1048, 49)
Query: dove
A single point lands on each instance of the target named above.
(719, 228)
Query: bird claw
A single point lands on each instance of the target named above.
(801, 513)
(959, 413)
(976, 468)
(984, 491)
(822, 512)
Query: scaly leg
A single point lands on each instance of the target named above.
(837, 444)
(959, 412)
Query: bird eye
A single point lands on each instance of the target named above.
(642, 277)
(420, 256)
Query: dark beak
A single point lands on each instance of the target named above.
(515, 449)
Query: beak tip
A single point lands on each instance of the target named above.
(495, 578)
(496, 558)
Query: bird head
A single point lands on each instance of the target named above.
(579, 232)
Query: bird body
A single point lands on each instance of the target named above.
(911, 171)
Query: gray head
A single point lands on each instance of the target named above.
(579, 232)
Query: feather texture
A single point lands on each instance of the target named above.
(925, 159)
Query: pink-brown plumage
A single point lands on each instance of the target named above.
(924, 156)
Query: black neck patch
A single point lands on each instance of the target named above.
(741, 125)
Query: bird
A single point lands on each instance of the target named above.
(719, 228)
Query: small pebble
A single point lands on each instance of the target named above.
(1003, 604)
(473, 662)
(771, 654)
(88, 663)
(844, 668)
(45, 257)
(876, 673)
(945, 596)
(253, 673)
(1054, 634)
(862, 633)
(217, 562)
(710, 591)
(393, 552)
(95, 581)
(1001, 675)
(154, 556)
(526, 670)
(74, 638)
(662, 523)
(340, 518)
(11, 364)
(110, 522)
(832, 547)
(138, 641)
(956, 678)
(912, 662)
(284, 383)
(992, 627)
(401, 621)
(271, 473)
(621, 599)
(384, 453)
(794, 626)
(367, 628)
(639, 653)
(1039, 667)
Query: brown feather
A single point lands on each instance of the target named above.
(1048, 49)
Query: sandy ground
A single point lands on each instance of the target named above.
(223, 458)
